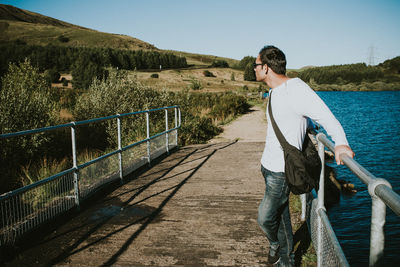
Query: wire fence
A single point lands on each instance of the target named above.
(29, 207)
(329, 251)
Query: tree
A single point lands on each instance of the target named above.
(246, 60)
(85, 69)
(249, 74)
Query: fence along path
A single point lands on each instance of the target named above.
(196, 207)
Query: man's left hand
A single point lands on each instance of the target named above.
(343, 149)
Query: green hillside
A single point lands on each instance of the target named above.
(26, 27)
(35, 29)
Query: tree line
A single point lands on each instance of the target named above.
(341, 74)
(388, 72)
(86, 63)
(353, 73)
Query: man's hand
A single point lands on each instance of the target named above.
(342, 149)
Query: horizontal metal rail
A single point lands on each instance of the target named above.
(381, 194)
(389, 197)
(26, 208)
(70, 124)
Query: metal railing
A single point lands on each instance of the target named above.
(28, 207)
(329, 251)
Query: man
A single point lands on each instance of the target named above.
(292, 102)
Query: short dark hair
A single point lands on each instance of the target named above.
(274, 58)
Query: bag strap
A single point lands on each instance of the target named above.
(277, 131)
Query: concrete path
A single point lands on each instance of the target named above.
(197, 207)
(251, 127)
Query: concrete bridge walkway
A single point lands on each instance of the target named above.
(196, 207)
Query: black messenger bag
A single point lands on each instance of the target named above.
(302, 168)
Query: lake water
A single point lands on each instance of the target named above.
(371, 121)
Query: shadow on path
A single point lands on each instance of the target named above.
(84, 231)
(302, 237)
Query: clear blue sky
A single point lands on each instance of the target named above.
(318, 33)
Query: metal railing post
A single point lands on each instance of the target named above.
(321, 204)
(148, 137)
(166, 129)
(378, 219)
(176, 126)
(303, 199)
(180, 121)
(75, 166)
(121, 175)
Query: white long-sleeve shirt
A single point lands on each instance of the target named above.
(292, 102)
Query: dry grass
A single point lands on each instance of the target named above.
(66, 115)
(176, 80)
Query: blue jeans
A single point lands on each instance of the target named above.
(274, 216)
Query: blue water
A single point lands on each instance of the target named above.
(371, 121)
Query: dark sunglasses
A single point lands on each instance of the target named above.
(257, 64)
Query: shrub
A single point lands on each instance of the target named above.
(195, 84)
(20, 42)
(154, 75)
(52, 76)
(208, 73)
(123, 95)
(232, 76)
(196, 130)
(64, 81)
(220, 64)
(63, 39)
(25, 103)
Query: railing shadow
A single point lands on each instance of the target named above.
(152, 216)
(301, 236)
(83, 234)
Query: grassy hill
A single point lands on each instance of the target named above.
(23, 26)
(35, 29)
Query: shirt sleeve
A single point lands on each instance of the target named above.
(308, 104)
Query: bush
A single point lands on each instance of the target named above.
(19, 42)
(220, 64)
(207, 73)
(196, 130)
(25, 103)
(63, 39)
(154, 75)
(52, 76)
(195, 84)
(123, 95)
(232, 76)
(64, 81)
